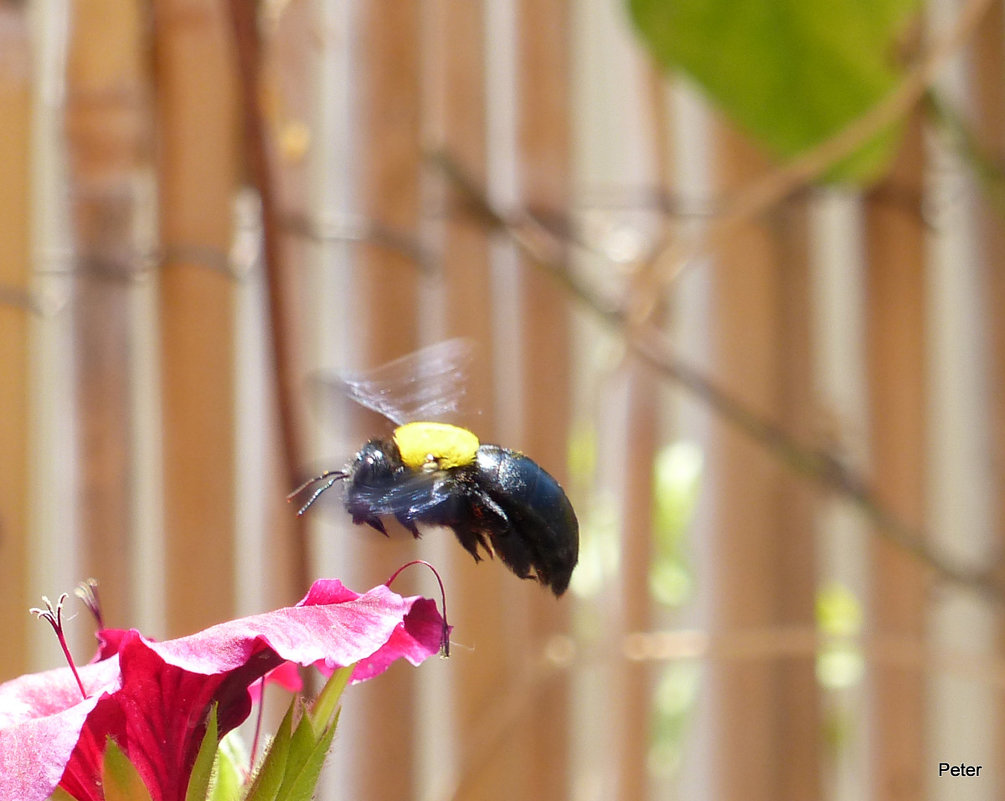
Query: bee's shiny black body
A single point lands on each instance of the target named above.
(431, 472)
(501, 502)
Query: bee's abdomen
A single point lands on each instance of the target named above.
(545, 531)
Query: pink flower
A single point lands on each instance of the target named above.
(153, 698)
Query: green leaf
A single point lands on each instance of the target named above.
(60, 795)
(202, 771)
(119, 777)
(228, 776)
(792, 73)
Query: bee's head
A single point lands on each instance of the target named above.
(375, 464)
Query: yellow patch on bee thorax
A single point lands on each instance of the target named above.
(435, 445)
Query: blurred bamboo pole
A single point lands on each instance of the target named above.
(456, 121)
(637, 457)
(798, 711)
(643, 416)
(15, 311)
(108, 143)
(895, 341)
(268, 68)
(988, 100)
(198, 174)
(384, 305)
(544, 162)
(747, 715)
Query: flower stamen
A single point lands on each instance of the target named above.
(55, 619)
(445, 639)
(87, 592)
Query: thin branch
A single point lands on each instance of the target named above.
(985, 166)
(653, 346)
(244, 18)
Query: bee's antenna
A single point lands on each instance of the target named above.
(331, 475)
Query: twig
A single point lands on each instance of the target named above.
(652, 345)
(987, 167)
(248, 51)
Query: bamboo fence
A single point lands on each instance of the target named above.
(206, 202)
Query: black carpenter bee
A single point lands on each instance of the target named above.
(431, 473)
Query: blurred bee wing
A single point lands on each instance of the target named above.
(428, 384)
(410, 496)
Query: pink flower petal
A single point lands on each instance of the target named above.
(41, 717)
(153, 697)
(34, 752)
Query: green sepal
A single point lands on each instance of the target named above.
(304, 771)
(312, 739)
(228, 777)
(269, 776)
(59, 794)
(202, 770)
(119, 777)
(323, 710)
(292, 766)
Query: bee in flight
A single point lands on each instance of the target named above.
(431, 473)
